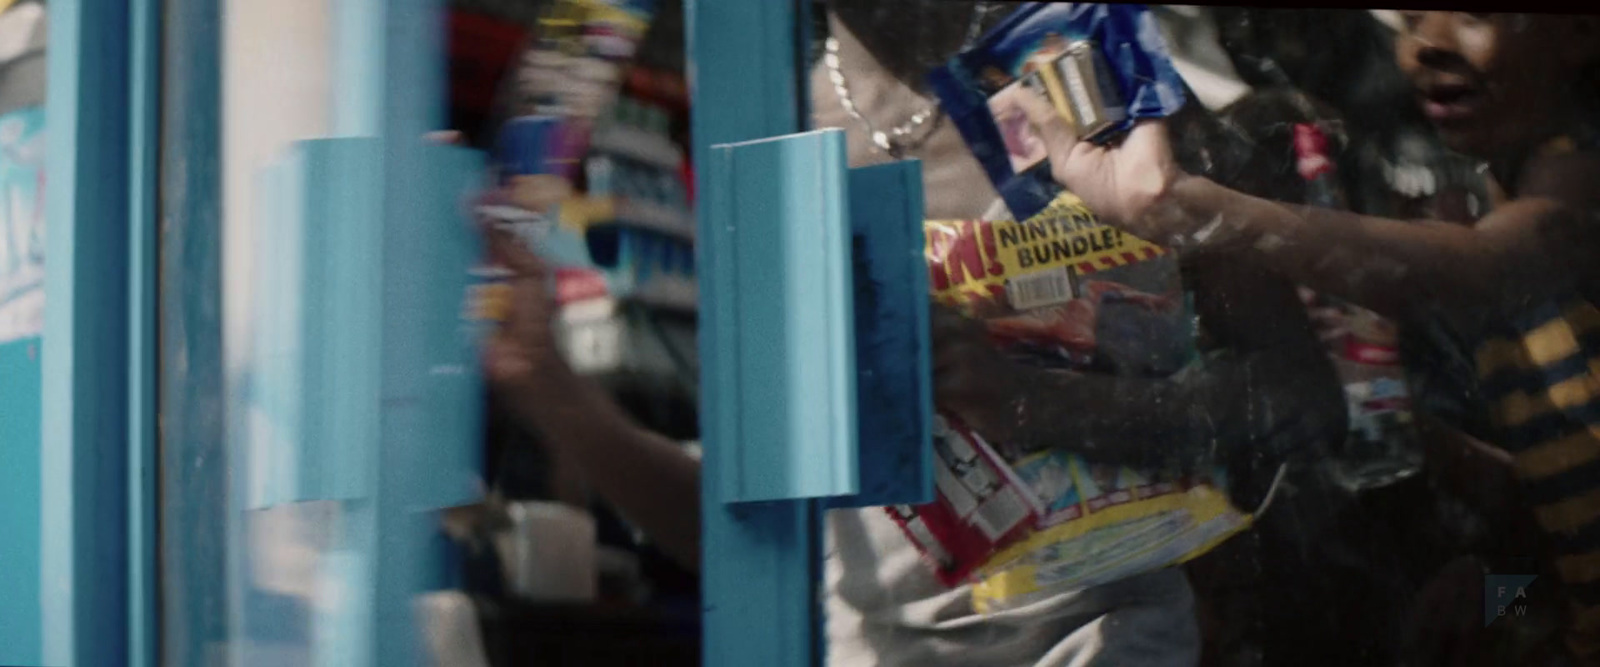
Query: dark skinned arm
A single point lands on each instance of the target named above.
(648, 478)
(1543, 239)
(1399, 269)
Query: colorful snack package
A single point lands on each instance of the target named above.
(1063, 292)
(1102, 66)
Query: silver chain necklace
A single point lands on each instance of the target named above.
(897, 141)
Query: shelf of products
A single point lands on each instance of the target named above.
(615, 222)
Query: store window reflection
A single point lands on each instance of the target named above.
(1401, 488)
(1292, 364)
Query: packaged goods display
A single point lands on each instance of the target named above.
(590, 178)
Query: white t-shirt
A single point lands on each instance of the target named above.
(886, 609)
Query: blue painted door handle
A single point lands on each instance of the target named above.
(821, 386)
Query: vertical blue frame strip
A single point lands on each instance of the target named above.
(83, 470)
(193, 459)
(430, 394)
(760, 559)
(144, 128)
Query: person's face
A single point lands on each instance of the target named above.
(1492, 83)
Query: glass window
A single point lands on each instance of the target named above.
(1369, 432)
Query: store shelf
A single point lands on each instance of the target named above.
(636, 144)
(655, 217)
(673, 293)
(596, 211)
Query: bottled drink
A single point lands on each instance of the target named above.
(1381, 448)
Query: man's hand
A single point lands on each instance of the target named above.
(971, 378)
(523, 348)
(1122, 182)
(650, 479)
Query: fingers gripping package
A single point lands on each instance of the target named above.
(1062, 292)
(1103, 68)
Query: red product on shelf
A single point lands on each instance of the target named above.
(482, 49)
(687, 171)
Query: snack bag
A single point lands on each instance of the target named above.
(1060, 291)
(1063, 291)
(1103, 67)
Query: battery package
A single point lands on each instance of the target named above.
(1102, 67)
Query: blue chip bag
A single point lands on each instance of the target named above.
(1110, 59)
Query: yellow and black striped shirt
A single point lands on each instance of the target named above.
(1540, 375)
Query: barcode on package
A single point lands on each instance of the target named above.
(1043, 288)
(1000, 513)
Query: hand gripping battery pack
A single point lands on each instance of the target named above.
(1103, 67)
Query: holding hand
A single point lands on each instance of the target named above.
(522, 348)
(1123, 182)
(972, 379)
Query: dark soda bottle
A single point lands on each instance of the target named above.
(1382, 447)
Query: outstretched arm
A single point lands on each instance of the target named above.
(1271, 381)
(1399, 269)
(649, 479)
(1542, 239)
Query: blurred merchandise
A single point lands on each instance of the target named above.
(1382, 448)
(1110, 52)
(616, 222)
(451, 630)
(482, 45)
(588, 143)
(548, 553)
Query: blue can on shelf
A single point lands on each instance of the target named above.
(526, 145)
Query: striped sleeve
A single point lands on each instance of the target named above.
(1543, 382)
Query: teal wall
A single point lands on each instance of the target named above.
(19, 513)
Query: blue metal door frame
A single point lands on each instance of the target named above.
(399, 252)
(816, 390)
(760, 560)
(94, 472)
(191, 553)
(83, 597)
(144, 140)
(99, 450)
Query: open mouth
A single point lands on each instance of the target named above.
(1450, 101)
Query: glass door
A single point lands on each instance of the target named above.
(1383, 452)
(320, 396)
